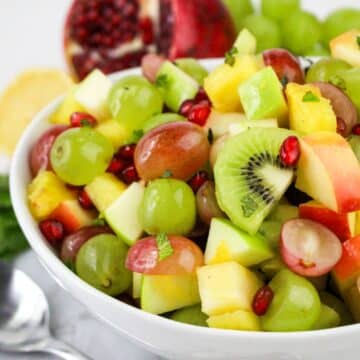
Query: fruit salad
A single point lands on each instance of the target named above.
(228, 199)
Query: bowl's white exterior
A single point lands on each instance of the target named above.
(159, 335)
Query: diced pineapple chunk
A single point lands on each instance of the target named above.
(238, 320)
(222, 83)
(346, 47)
(309, 112)
(226, 287)
(115, 132)
(45, 193)
(104, 190)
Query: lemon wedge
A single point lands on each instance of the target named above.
(30, 91)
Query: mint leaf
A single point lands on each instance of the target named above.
(164, 246)
(310, 97)
(162, 80)
(167, 174)
(230, 56)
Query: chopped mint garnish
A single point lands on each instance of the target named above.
(137, 135)
(284, 80)
(338, 81)
(210, 136)
(167, 174)
(164, 246)
(161, 80)
(310, 97)
(99, 222)
(230, 56)
(85, 123)
(358, 41)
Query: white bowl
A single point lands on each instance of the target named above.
(159, 335)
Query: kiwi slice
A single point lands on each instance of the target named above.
(249, 176)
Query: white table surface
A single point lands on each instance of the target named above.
(31, 35)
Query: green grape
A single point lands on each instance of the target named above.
(168, 206)
(190, 315)
(302, 31)
(101, 263)
(324, 69)
(193, 68)
(266, 31)
(161, 119)
(339, 22)
(80, 154)
(296, 304)
(132, 100)
(239, 9)
(350, 81)
(279, 10)
(318, 50)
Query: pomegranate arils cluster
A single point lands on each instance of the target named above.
(53, 231)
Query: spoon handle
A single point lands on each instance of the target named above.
(62, 350)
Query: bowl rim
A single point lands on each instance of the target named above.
(55, 266)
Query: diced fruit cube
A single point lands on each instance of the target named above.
(328, 318)
(177, 85)
(115, 132)
(352, 300)
(308, 110)
(68, 106)
(190, 315)
(220, 123)
(226, 287)
(72, 215)
(123, 214)
(237, 320)
(342, 225)
(262, 97)
(92, 94)
(163, 293)
(245, 43)
(136, 285)
(228, 243)
(222, 83)
(193, 68)
(104, 190)
(237, 128)
(346, 47)
(45, 193)
(347, 270)
(329, 172)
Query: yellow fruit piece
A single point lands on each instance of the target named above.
(238, 320)
(226, 287)
(222, 83)
(104, 190)
(346, 47)
(115, 132)
(66, 108)
(309, 116)
(45, 193)
(24, 98)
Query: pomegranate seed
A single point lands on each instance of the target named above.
(84, 200)
(186, 107)
(147, 33)
(127, 152)
(290, 151)
(262, 300)
(202, 95)
(129, 175)
(356, 129)
(53, 231)
(199, 113)
(116, 165)
(198, 179)
(340, 126)
(80, 119)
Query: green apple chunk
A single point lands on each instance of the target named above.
(328, 318)
(193, 68)
(228, 243)
(190, 315)
(168, 206)
(163, 293)
(338, 305)
(161, 119)
(262, 96)
(296, 304)
(176, 85)
(237, 320)
(123, 214)
(137, 283)
(101, 263)
(245, 43)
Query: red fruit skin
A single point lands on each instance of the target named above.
(356, 129)
(262, 300)
(285, 64)
(39, 158)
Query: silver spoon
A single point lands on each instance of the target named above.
(24, 318)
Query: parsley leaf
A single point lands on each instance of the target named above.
(230, 56)
(164, 246)
(310, 97)
(162, 80)
(167, 174)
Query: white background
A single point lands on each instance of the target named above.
(30, 36)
